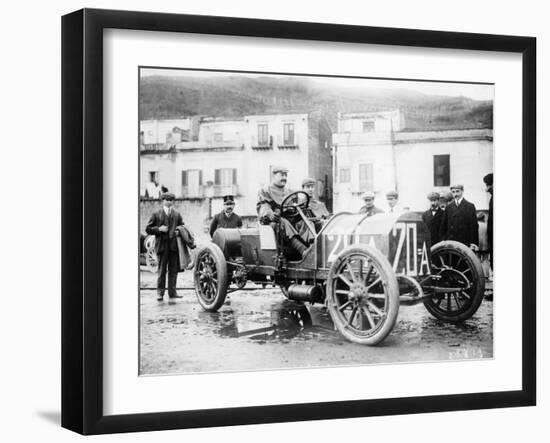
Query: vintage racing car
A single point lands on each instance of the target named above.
(361, 267)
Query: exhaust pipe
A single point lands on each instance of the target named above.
(311, 293)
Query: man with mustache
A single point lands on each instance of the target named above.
(269, 211)
(227, 218)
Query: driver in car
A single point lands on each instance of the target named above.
(269, 211)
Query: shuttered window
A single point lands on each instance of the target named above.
(442, 170)
(366, 179)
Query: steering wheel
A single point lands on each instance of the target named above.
(293, 201)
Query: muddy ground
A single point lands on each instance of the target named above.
(259, 329)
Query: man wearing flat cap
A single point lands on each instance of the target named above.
(268, 207)
(163, 225)
(460, 220)
(392, 198)
(433, 217)
(488, 180)
(369, 208)
(444, 199)
(316, 207)
(227, 218)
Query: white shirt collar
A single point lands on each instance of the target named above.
(167, 210)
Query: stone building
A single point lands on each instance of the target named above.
(235, 156)
(374, 151)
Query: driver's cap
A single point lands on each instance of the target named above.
(308, 181)
(279, 168)
(367, 195)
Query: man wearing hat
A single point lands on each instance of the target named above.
(316, 207)
(433, 217)
(444, 199)
(268, 207)
(163, 225)
(488, 180)
(227, 218)
(392, 197)
(460, 220)
(369, 209)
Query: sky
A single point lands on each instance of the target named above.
(473, 91)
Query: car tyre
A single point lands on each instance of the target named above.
(455, 264)
(362, 295)
(211, 277)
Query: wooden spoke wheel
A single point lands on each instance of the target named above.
(363, 295)
(458, 282)
(211, 277)
(151, 259)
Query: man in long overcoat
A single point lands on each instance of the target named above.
(163, 225)
(460, 220)
(433, 217)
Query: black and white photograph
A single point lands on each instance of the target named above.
(297, 221)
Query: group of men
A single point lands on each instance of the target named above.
(450, 217)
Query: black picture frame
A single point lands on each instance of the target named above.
(82, 230)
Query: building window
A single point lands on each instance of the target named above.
(345, 175)
(225, 177)
(218, 136)
(154, 176)
(442, 170)
(288, 134)
(263, 138)
(366, 180)
(191, 182)
(368, 125)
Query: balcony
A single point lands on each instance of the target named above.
(192, 191)
(221, 190)
(204, 191)
(288, 147)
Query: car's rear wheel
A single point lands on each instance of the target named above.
(458, 282)
(363, 295)
(211, 277)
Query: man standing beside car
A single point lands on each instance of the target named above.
(460, 220)
(433, 217)
(163, 225)
(227, 218)
(488, 180)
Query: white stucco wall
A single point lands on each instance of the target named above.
(469, 162)
(471, 157)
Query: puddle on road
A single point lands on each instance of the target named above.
(281, 322)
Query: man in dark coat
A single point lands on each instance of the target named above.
(460, 220)
(268, 207)
(369, 208)
(163, 225)
(488, 180)
(227, 218)
(316, 207)
(433, 217)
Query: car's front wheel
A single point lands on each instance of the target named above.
(211, 277)
(363, 295)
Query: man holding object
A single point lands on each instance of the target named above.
(162, 225)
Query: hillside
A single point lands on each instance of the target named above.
(236, 96)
